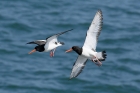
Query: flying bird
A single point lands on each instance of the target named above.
(88, 51)
(50, 44)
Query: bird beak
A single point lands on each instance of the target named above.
(69, 50)
(34, 50)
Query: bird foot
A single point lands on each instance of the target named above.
(96, 61)
(51, 54)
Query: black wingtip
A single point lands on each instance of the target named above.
(30, 42)
(70, 29)
(64, 32)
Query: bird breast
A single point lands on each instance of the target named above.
(88, 53)
(49, 47)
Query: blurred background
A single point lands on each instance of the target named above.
(22, 21)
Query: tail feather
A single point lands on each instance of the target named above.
(101, 56)
(104, 54)
(62, 43)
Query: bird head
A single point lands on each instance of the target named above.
(39, 48)
(77, 49)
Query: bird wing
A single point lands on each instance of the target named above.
(94, 31)
(38, 42)
(49, 39)
(78, 66)
(54, 37)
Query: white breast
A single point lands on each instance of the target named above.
(49, 47)
(88, 53)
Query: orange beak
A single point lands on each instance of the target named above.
(34, 50)
(69, 50)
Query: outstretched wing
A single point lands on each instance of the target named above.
(78, 66)
(94, 31)
(54, 37)
(38, 42)
(51, 38)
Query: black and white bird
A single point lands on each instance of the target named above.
(88, 51)
(50, 44)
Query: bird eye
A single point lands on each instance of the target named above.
(55, 42)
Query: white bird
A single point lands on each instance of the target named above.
(88, 51)
(49, 44)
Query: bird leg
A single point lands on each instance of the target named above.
(52, 52)
(98, 63)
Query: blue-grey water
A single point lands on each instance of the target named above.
(22, 21)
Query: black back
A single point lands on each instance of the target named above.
(77, 49)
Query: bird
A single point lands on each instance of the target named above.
(50, 44)
(88, 50)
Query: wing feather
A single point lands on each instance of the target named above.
(94, 31)
(54, 37)
(51, 38)
(78, 66)
(38, 42)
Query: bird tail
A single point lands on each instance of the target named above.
(101, 55)
(62, 43)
